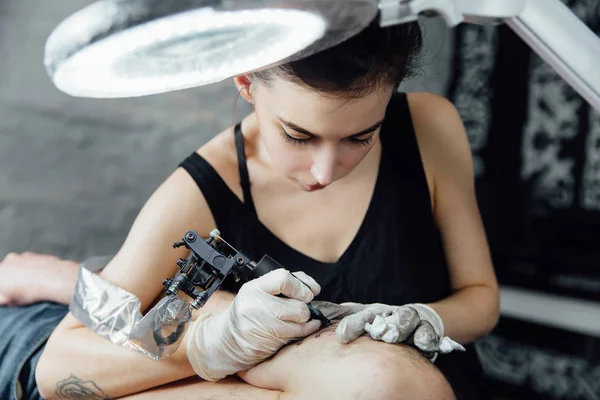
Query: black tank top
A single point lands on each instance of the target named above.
(395, 258)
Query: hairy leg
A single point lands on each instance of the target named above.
(320, 367)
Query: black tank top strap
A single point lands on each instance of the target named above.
(402, 156)
(223, 203)
(398, 129)
(243, 166)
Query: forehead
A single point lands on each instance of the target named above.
(322, 112)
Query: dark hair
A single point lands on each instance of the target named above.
(358, 65)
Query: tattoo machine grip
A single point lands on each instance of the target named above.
(266, 265)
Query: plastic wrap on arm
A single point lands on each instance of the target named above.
(115, 314)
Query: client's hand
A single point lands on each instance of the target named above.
(416, 324)
(30, 277)
(254, 327)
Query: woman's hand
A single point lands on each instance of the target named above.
(254, 327)
(416, 323)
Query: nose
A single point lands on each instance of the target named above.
(323, 168)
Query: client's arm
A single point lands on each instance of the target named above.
(145, 259)
(30, 278)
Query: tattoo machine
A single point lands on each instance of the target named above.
(115, 314)
(210, 262)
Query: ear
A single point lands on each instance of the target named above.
(242, 83)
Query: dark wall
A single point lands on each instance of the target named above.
(536, 147)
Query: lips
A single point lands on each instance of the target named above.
(312, 188)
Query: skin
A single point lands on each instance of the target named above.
(284, 175)
(30, 278)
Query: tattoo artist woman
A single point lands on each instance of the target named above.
(366, 190)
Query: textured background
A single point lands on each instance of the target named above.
(75, 172)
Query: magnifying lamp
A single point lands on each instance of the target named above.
(129, 48)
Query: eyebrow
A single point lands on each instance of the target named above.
(306, 132)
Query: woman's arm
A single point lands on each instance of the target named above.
(472, 310)
(144, 260)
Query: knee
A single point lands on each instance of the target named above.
(399, 372)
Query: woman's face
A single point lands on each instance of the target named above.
(315, 139)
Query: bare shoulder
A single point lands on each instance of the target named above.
(220, 150)
(217, 152)
(441, 136)
(436, 119)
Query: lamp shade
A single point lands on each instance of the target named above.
(130, 48)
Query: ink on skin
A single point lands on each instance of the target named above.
(329, 329)
(75, 388)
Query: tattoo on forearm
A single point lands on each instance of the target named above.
(75, 388)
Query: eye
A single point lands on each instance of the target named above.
(292, 140)
(361, 142)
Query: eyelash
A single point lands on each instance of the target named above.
(303, 142)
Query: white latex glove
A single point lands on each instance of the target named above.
(254, 327)
(418, 323)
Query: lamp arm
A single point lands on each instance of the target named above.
(549, 27)
(558, 36)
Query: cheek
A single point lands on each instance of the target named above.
(350, 157)
(286, 158)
